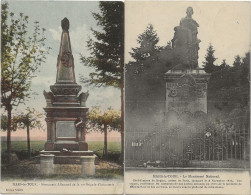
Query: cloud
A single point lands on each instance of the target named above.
(44, 81)
(78, 37)
(56, 33)
(104, 97)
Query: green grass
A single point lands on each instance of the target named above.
(22, 145)
(96, 146)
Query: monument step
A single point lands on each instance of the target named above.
(67, 158)
(70, 153)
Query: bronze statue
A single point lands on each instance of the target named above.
(185, 42)
(191, 26)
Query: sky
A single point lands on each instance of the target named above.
(49, 14)
(226, 25)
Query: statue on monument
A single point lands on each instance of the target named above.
(185, 41)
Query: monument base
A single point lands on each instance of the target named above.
(186, 91)
(69, 145)
(72, 157)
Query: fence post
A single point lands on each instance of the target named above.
(47, 164)
(222, 149)
(235, 152)
(88, 165)
(226, 146)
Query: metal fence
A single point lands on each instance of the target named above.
(165, 148)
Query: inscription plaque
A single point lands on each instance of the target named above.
(65, 129)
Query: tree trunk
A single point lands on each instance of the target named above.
(9, 110)
(122, 108)
(105, 142)
(122, 125)
(28, 141)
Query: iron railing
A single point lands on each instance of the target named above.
(163, 148)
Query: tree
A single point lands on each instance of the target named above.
(229, 86)
(104, 121)
(246, 60)
(148, 41)
(28, 120)
(144, 80)
(224, 64)
(237, 61)
(209, 65)
(107, 53)
(4, 123)
(245, 78)
(22, 54)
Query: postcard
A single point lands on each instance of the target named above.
(187, 110)
(61, 101)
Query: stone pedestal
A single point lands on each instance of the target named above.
(88, 165)
(186, 91)
(47, 164)
(83, 146)
(67, 157)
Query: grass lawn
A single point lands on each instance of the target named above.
(22, 145)
(96, 146)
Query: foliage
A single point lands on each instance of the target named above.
(224, 64)
(107, 52)
(209, 60)
(21, 56)
(228, 88)
(149, 58)
(22, 53)
(4, 123)
(245, 71)
(148, 41)
(237, 61)
(31, 118)
(144, 79)
(97, 119)
(104, 121)
(107, 49)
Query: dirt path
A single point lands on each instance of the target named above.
(31, 168)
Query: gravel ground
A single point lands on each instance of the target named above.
(32, 169)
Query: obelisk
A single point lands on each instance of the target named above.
(66, 109)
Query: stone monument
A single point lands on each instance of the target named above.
(66, 109)
(186, 84)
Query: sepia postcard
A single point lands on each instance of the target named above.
(187, 97)
(125, 97)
